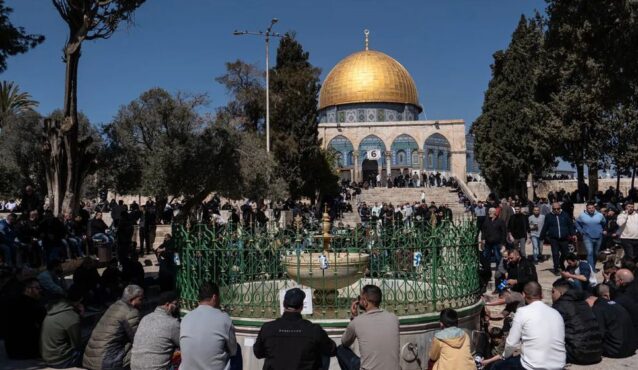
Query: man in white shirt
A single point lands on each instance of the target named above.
(540, 332)
(628, 223)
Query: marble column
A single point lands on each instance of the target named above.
(459, 164)
(421, 160)
(388, 163)
(356, 165)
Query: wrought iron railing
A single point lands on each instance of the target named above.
(419, 269)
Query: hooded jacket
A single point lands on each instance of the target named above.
(60, 336)
(451, 350)
(583, 339)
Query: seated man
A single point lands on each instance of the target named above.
(60, 341)
(52, 280)
(110, 344)
(619, 339)
(23, 322)
(520, 271)
(157, 336)
(377, 331)
(540, 332)
(579, 273)
(451, 346)
(99, 229)
(291, 342)
(583, 340)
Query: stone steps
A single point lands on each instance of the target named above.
(439, 195)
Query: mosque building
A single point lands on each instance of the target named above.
(369, 118)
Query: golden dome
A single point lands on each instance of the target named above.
(368, 76)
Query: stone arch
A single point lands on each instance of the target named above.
(437, 153)
(371, 142)
(342, 147)
(403, 148)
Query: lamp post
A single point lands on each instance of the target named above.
(267, 35)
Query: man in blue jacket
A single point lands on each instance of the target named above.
(559, 229)
(590, 225)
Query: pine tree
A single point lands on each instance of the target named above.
(510, 141)
(296, 147)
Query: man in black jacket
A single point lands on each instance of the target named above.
(493, 235)
(583, 339)
(292, 343)
(517, 229)
(626, 293)
(520, 271)
(619, 339)
(559, 228)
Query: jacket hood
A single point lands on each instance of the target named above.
(59, 307)
(453, 337)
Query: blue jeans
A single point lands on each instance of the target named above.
(537, 246)
(593, 247)
(7, 253)
(103, 238)
(492, 249)
(510, 363)
(347, 359)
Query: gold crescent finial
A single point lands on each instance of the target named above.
(367, 34)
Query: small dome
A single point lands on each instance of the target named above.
(368, 76)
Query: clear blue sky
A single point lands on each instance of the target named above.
(182, 46)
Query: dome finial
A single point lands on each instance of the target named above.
(366, 33)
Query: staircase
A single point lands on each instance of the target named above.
(396, 196)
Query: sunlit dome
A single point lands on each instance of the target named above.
(368, 76)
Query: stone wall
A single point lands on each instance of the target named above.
(544, 187)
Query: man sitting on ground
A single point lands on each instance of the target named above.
(23, 322)
(626, 294)
(292, 343)
(207, 337)
(61, 343)
(583, 340)
(540, 332)
(157, 336)
(619, 339)
(579, 273)
(377, 331)
(451, 346)
(520, 271)
(110, 344)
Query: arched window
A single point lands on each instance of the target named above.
(407, 145)
(415, 157)
(342, 147)
(371, 142)
(438, 153)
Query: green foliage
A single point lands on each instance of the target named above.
(590, 74)
(13, 40)
(13, 101)
(247, 110)
(510, 139)
(295, 87)
(22, 159)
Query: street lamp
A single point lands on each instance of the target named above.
(268, 34)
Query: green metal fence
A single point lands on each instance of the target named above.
(419, 269)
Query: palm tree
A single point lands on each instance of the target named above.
(13, 102)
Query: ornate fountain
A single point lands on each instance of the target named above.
(328, 271)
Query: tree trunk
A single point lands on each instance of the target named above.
(70, 128)
(617, 183)
(56, 164)
(593, 180)
(580, 176)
